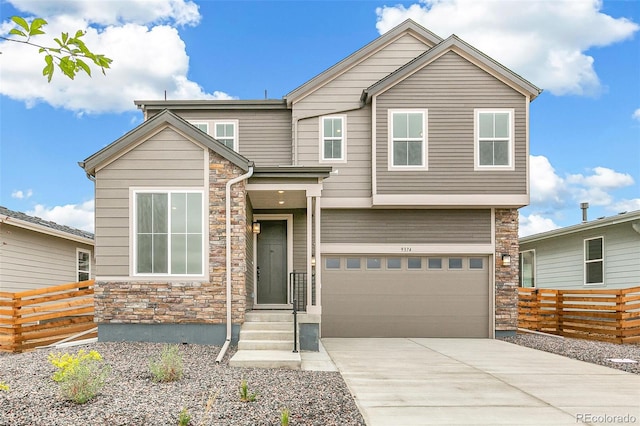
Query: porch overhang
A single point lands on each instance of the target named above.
(285, 187)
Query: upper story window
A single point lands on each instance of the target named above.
(407, 139)
(494, 139)
(83, 264)
(168, 232)
(594, 261)
(227, 133)
(333, 140)
(202, 126)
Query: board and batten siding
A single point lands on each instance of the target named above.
(264, 135)
(372, 226)
(559, 262)
(343, 92)
(164, 160)
(450, 88)
(350, 179)
(31, 260)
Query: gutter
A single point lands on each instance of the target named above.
(245, 176)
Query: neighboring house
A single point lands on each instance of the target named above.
(36, 253)
(393, 179)
(595, 254)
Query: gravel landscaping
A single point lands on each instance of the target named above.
(130, 397)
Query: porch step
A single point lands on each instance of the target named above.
(266, 359)
(267, 325)
(268, 316)
(257, 334)
(265, 345)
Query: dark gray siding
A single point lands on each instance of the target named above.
(451, 88)
(406, 226)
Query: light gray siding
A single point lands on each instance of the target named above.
(165, 160)
(344, 91)
(264, 135)
(353, 178)
(560, 261)
(450, 88)
(31, 260)
(406, 226)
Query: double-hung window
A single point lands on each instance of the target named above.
(407, 139)
(226, 132)
(333, 138)
(83, 264)
(202, 126)
(594, 261)
(494, 139)
(169, 232)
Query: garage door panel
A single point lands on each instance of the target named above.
(405, 303)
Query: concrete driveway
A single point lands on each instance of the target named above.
(479, 382)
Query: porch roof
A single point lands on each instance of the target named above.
(320, 172)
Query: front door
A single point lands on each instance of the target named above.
(272, 263)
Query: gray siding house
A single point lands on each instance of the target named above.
(386, 188)
(596, 254)
(36, 253)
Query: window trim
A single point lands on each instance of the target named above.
(521, 263)
(133, 227)
(476, 139)
(343, 139)
(236, 128)
(585, 261)
(425, 139)
(201, 123)
(78, 271)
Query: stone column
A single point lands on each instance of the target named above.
(506, 277)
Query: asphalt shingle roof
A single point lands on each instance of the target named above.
(48, 224)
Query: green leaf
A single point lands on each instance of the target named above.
(65, 37)
(20, 21)
(36, 24)
(17, 32)
(48, 69)
(68, 67)
(79, 33)
(82, 65)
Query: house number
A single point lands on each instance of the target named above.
(405, 249)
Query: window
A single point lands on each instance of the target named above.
(407, 139)
(527, 268)
(332, 263)
(83, 264)
(333, 138)
(494, 139)
(353, 263)
(226, 132)
(455, 263)
(202, 126)
(594, 261)
(373, 263)
(434, 263)
(414, 263)
(394, 263)
(476, 263)
(169, 234)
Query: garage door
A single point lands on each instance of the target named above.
(411, 296)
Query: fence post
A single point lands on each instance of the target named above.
(16, 327)
(620, 310)
(559, 312)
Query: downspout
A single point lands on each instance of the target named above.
(245, 176)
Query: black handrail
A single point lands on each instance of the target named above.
(298, 283)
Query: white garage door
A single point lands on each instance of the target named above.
(409, 296)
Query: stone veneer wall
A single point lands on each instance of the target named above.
(506, 281)
(188, 301)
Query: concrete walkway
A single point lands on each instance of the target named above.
(479, 382)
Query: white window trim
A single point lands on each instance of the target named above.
(476, 139)
(425, 140)
(78, 251)
(535, 268)
(342, 159)
(133, 241)
(200, 123)
(584, 259)
(236, 128)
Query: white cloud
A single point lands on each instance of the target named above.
(534, 224)
(544, 41)
(625, 205)
(636, 114)
(547, 188)
(75, 215)
(21, 195)
(146, 60)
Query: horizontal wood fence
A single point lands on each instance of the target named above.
(605, 315)
(33, 318)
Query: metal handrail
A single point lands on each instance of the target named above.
(298, 285)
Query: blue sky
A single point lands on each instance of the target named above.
(585, 54)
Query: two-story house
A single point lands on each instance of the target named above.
(387, 188)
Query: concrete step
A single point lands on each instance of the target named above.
(265, 334)
(266, 359)
(269, 316)
(262, 345)
(268, 325)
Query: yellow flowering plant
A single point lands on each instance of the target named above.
(4, 387)
(81, 376)
(67, 364)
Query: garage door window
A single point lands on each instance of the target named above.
(455, 263)
(373, 263)
(353, 263)
(476, 263)
(394, 263)
(414, 263)
(434, 263)
(332, 263)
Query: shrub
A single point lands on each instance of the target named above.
(4, 387)
(284, 417)
(245, 395)
(184, 417)
(80, 376)
(169, 367)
